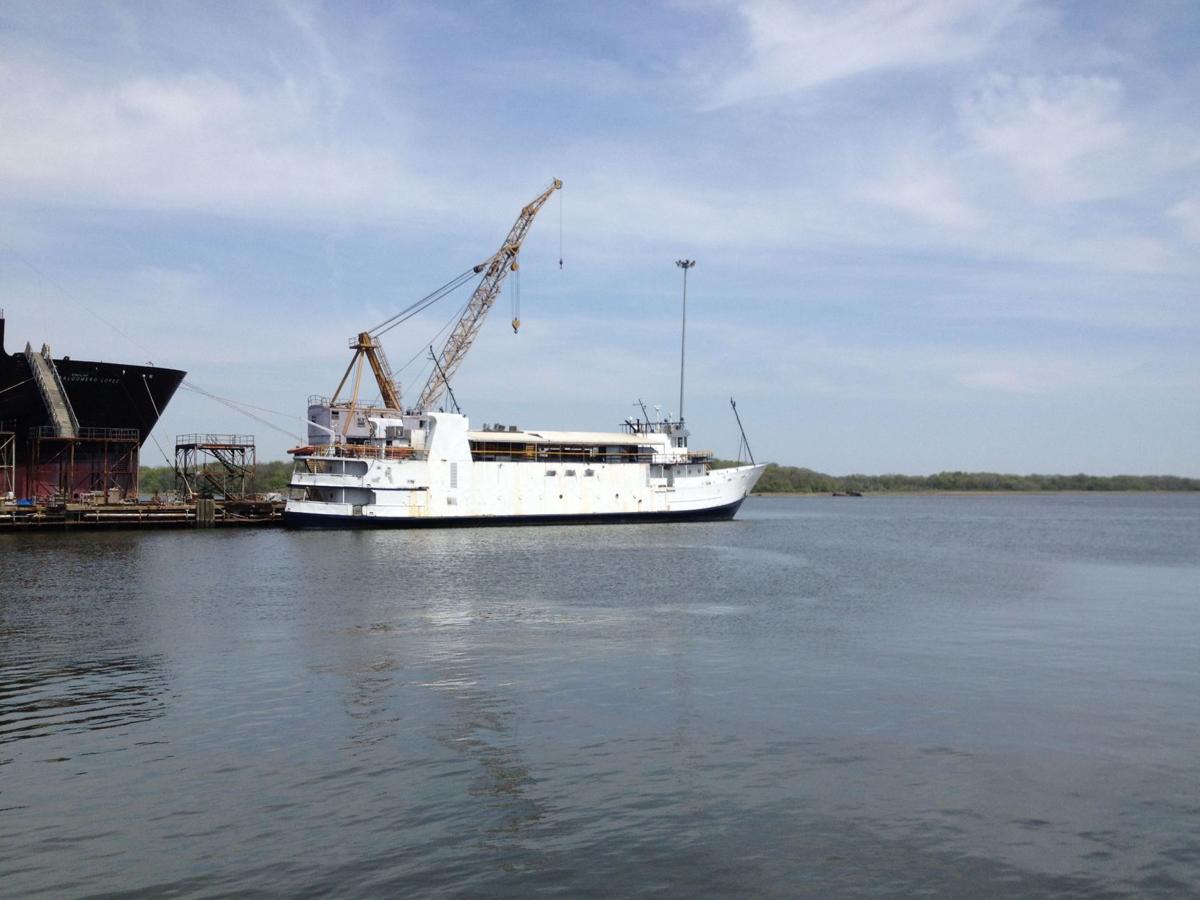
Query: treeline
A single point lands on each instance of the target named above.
(268, 477)
(274, 476)
(796, 480)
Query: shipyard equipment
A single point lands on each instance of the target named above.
(339, 419)
(214, 465)
(502, 262)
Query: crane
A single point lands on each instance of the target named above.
(368, 348)
(496, 268)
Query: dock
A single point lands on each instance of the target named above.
(201, 513)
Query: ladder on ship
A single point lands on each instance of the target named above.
(54, 395)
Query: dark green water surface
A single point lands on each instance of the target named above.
(948, 696)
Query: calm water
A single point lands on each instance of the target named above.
(949, 695)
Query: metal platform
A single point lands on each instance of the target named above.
(240, 513)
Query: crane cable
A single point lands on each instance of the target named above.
(515, 293)
(428, 300)
(158, 418)
(13, 387)
(458, 314)
(242, 408)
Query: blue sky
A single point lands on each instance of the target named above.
(929, 235)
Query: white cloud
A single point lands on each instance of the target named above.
(1044, 124)
(1070, 138)
(1014, 374)
(798, 46)
(191, 141)
(1187, 214)
(1049, 373)
(923, 192)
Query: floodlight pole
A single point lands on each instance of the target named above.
(684, 264)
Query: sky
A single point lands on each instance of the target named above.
(929, 234)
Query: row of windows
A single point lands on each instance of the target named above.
(497, 451)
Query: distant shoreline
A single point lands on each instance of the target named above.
(777, 479)
(796, 481)
(931, 492)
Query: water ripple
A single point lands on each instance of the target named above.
(79, 696)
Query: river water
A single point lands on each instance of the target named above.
(949, 695)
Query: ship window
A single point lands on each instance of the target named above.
(552, 471)
(589, 472)
(569, 472)
(453, 475)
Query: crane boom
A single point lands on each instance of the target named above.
(496, 269)
(367, 347)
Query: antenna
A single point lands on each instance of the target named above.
(745, 443)
(449, 390)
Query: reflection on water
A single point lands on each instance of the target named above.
(985, 696)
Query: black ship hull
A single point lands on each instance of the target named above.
(311, 520)
(108, 399)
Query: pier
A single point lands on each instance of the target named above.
(214, 474)
(200, 513)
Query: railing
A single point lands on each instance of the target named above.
(52, 391)
(637, 426)
(89, 433)
(62, 391)
(36, 371)
(357, 451)
(220, 440)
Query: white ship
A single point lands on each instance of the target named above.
(399, 466)
(431, 469)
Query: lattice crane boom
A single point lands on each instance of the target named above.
(368, 347)
(496, 269)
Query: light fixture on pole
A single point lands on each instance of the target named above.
(684, 264)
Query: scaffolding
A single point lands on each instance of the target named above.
(8, 462)
(214, 465)
(94, 465)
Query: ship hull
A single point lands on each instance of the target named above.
(725, 512)
(103, 395)
(112, 402)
